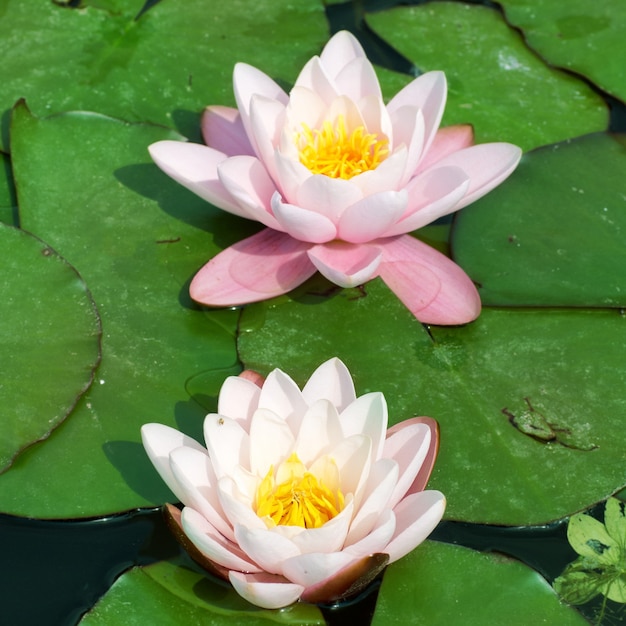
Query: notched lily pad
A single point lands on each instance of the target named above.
(50, 333)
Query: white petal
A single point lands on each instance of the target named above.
(358, 80)
(223, 130)
(327, 538)
(352, 456)
(341, 49)
(387, 176)
(212, 544)
(265, 590)
(378, 538)
(320, 431)
(367, 415)
(328, 196)
(408, 129)
(227, 443)
(346, 264)
(382, 480)
(310, 569)
(238, 399)
(416, 517)
(313, 78)
(194, 472)
(265, 547)
(281, 395)
(302, 224)
(331, 381)
(159, 441)
(408, 448)
(267, 118)
(271, 441)
(237, 506)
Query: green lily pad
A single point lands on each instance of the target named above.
(167, 594)
(144, 69)
(446, 585)
(494, 81)
(137, 238)
(491, 385)
(581, 36)
(553, 234)
(8, 202)
(50, 340)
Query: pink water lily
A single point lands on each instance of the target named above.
(297, 489)
(339, 179)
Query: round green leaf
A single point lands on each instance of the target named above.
(50, 340)
(530, 421)
(494, 81)
(553, 234)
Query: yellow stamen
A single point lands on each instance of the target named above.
(300, 500)
(335, 152)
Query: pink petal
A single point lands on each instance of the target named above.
(271, 441)
(486, 165)
(265, 265)
(213, 545)
(427, 92)
(331, 381)
(227, 443)
(340, 50)
(249, 184)
(265, 590)
(346, 264)
(248, 81)
(159, 441)
(367, 415)
(223, 130)
(433, 194)
(319, 431)
(266, 548)
(371, 217)
(238, 399)
(310, 569)
(380, 485)
(195, 166)
(303, 224)
(416, 517)
(313, 77)
(431, 286)
(447, 140)
(408, 447)
(194, 472)
(421, 480)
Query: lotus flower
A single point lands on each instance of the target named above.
(338, 179)
(297, 489)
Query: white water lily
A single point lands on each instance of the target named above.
(295, 488)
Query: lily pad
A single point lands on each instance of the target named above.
(8, 202)
(553, 234)
(441, 585)
(494, 81)
(167, 594)
(144, 69)
(136, 238)
(530, 421)
(50, 340)
(581, 36)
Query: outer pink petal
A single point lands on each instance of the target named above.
(265, 265)
(249, 184)
(447, 140)
(431, 195)
(486, 165)
(213, 545)
(421, 480)
(265, 590)
(223, 130)
(346, 264)
(159, 441)
(372, 216)
(434, 288)
(331, 381)
(416, 517)
(238, 399)
(195, 166)
(340, 50)
(303, 224)
(248, 81)
(427, 92)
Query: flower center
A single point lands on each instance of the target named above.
(335, 152)
(298, 500)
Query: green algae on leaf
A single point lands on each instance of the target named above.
(494, 81)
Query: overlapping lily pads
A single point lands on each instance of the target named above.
(49, 353)
(554, 233)
(495, 82)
